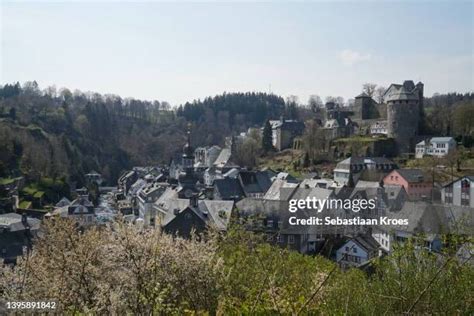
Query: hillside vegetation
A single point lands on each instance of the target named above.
(64, 134)
(124, 270)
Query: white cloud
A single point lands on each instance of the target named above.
(350, 57)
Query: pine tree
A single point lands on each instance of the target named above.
(267, 143)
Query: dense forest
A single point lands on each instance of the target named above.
(67, 134)
(451, 114)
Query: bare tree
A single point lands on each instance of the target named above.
(369, 88)
(315, 103)
(340, 101)
(379, 92)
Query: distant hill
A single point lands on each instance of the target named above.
(64, 134)
(229, 113)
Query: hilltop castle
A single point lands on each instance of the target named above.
(404, 113)
(399, 117)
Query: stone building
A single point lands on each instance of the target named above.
(365, 107)
(404, 111)
(284, 132)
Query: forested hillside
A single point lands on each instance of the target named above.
(64, 134)
(451, 114)
(234, 112)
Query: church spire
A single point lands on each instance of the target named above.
(188, 151)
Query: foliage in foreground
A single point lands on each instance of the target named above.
(124, 270)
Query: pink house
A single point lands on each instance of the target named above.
(412, 180)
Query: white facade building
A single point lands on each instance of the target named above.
(436, 146)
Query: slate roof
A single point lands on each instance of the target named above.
(228, 188)
(223, 158)
(83, 201)
(211, 212)
(441, 139)
(277, 210)
(346, 163)
(405, 91)
(63, 202)
(13, 222)
(318, 193)
(313, 183)
(169, 201)
(469, 177)
(285, 176)
(367, 242)
(254, 181)
(411, 175)
(81, 205)
(232, 173)
(430, 218)
(137, 186)
(280, 190)
(367, 184)
(219, 212)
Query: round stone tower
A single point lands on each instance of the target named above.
(403, 115)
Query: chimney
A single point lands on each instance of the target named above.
(24, 219)
(193, 201)
(210, 193)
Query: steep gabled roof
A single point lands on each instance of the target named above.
(228, 188)
(411, 175)
(254, 181)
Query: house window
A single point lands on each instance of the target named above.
(291, 239)
(270, 223)
(347, 249)
(279, 238)
(355, 250)
(465, 192)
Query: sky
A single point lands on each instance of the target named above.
(179, 51)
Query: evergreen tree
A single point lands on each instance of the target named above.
(12, 113)
(267, 143)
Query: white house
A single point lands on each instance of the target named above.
(146, 197)
(357, 251)
(459, 192)
(436, 146)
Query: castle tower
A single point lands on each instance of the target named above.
(363, 104)
(403, 113)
